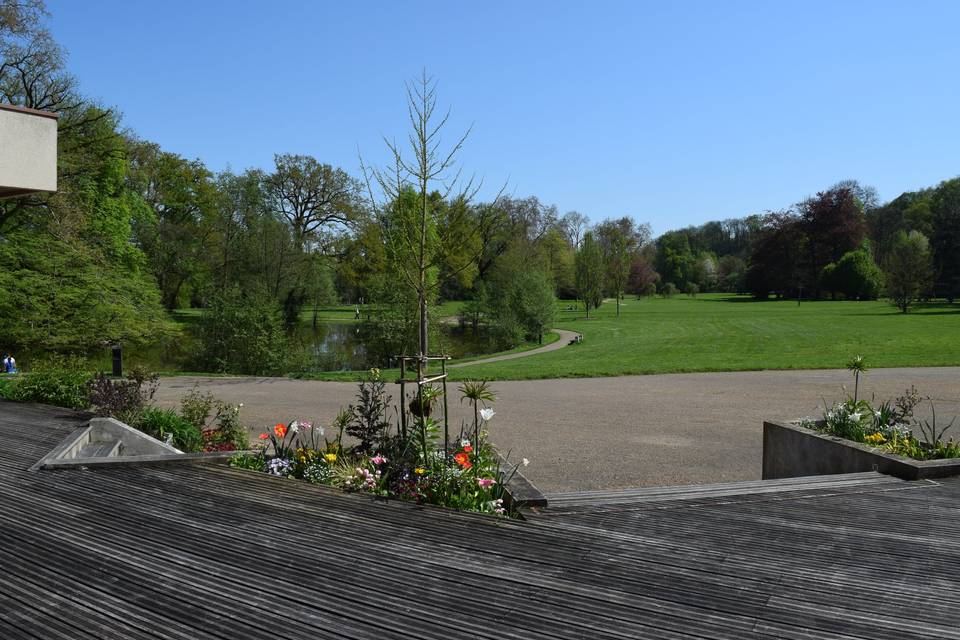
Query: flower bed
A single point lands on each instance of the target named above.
(416, 465)
(854, 436)
(890, 427)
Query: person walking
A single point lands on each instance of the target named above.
(11, 366)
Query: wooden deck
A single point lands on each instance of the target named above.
(207, 552)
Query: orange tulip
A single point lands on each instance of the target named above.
(280, 429)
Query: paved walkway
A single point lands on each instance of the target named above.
(604, 433)
(563, 341)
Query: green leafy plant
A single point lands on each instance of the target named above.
(57, 380)
(164, 424)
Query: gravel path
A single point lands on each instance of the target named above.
(563, 341)
(603, 433)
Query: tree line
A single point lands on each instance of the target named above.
(136, 232)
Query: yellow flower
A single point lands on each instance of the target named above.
(330, 457)
(419, 471)
(876, 438)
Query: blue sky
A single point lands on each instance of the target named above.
(674, 113)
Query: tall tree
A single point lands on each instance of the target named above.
(833, 224)
(590, 272)
(619, 241)
(316, 199)
(908, 269)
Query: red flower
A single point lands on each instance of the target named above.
(463, 460)
(468, 448)
(263, 436)
(280, 429)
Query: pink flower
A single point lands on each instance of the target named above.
(378, 459)
(486, 483)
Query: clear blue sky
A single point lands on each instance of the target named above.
(672, 112)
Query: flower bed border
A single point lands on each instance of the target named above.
(791, 451)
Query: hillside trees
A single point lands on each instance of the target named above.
(945, 236)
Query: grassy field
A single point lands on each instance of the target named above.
(715, 332)
(722, 333)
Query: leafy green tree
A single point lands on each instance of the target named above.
(242, 332)
(174, 232)
(908, 269)
(619, 241)
(855, 275)
(945, 236)
(590, 272)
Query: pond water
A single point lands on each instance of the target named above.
(332, 346)
(340, 347)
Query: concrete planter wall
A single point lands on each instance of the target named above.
(790, 451)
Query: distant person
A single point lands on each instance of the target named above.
(356, 316)
(9, 364)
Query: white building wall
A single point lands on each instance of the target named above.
(28, 151)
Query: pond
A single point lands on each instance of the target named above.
(339, 346)
(330, 346)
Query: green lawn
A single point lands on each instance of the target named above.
(716, 332)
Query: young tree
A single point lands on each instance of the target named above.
(908, 269)
(425, 237)
(620, 240)
(589, 272)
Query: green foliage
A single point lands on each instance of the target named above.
(241, 332)
(161, 423)
(57, 380)
(855, 276)
(518, 304)
(589, 269)
(668, 290)
(908, 269)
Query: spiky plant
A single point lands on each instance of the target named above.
(857, 365)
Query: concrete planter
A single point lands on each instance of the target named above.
(790, 451)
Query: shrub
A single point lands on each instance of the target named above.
(57, 380)
(647, 290)
(242, 332)
(669, 290)
(218, 421)
(161, 423)
(123, 399)
(691, 289)
(369, 421)
(856, 276)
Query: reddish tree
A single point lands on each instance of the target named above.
(642, 274)
(833, 223)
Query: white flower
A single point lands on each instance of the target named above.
(525, 462)
(486, 414)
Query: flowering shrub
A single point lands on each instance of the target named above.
(416, 466)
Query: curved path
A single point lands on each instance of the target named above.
(564, 340)
(610, 433)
